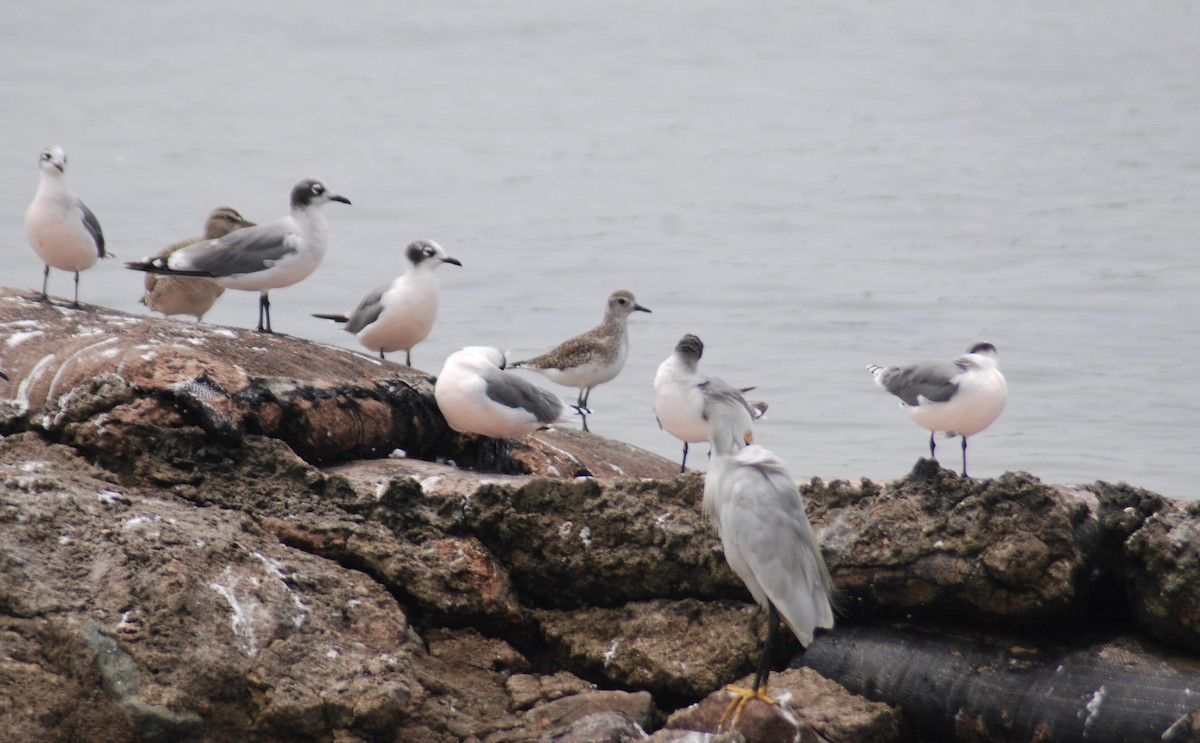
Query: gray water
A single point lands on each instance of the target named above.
(807, 186)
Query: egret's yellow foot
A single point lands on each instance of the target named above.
(741, 695)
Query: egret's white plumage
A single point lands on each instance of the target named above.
(61, 229)
(959, 397)
(400, 314)
(477, 395)
(266, 256)
(681, 391)
(754, 502)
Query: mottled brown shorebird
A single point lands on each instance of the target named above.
(187, 295)
(594, 357)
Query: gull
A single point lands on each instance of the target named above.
(399, 315)
(752, 499)
(62, 230)
(594, 357)
(477, 395)
(263, 257)
(680, 393)
(959, 396)
(186, 295)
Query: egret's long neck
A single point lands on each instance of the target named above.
(728, 427)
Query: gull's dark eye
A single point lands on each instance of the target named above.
(317, 189)
(621, 301)
(428, 251)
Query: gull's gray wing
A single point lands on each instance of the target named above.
(367, 311)
(515, 392)
(92, 225)
(719, 392)
(248, 250)
(933, 380)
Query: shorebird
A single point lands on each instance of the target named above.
(681, 392)
(959, 396)
(263, 257)
(477, 395)
(186, 295)
(752, 499)
(62, 230)
(594, 357)
(399, 315)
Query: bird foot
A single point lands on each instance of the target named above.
(742, 695)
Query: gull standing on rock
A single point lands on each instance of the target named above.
(263, 257)
(62, 230)
(187, 295)
(960, 396)
(594, 357)
(681, 392)
(768, 541)
(399, 315)
(477, 395)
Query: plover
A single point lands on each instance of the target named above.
(594, 357)
(681, 392)
(477, 395)
(263, 257)
(752, 499)
(399, 315)
(186, 295)
(960, 396)
(62, 230)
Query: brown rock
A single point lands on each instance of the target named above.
(1156, 542)
(682, 648)
(558, 717)
(88, 376)
(758, 722)
(937, 543)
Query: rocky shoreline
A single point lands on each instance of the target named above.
(210, 534)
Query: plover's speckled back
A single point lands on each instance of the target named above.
(399, 315)
(476, 395)
(263, 257)
(681, 394)
(62, 230)
(594, 357)
(186, 295)
(960, 396)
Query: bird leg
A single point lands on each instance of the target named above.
(964, 438)
(46, 284)
(683, 464)
(75, 304)
(742, 695)
(407, 357)
(932, 446)
(264, 309)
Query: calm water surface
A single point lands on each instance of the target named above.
(807, 186)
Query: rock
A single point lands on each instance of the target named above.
(679, 648)
(86, 377)
(941, 545)
(526, 690)
(188, 547)
(593, 715)
(1156, 546)
(757, 723)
